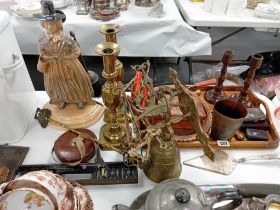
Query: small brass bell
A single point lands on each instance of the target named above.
(165, 161)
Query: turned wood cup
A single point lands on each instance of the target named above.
(228, 116)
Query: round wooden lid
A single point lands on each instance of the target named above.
(67, 151)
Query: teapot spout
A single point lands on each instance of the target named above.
(123, 207)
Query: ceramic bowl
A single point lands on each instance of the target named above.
(25, 199)
(22, 184)
(61, 190)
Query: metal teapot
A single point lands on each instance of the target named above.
(180, 194)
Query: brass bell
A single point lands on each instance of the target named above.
(165, 161)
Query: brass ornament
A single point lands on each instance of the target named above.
(112, 132)
(189, 110)
(110, 31)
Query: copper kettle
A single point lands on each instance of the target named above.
(180, 194)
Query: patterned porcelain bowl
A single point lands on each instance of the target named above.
(25, 199)
(57, 189)
(23, 184)
(61, 193)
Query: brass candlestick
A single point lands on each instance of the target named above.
(217, 93)
(110, 31)
(255, 63)
(112, 132)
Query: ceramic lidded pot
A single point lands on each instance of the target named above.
(180, 194)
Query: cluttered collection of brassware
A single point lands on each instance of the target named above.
(144, 123)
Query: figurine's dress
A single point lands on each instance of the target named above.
(66, 81)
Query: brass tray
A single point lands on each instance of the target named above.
(235, 143)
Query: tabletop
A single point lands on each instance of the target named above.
(196, 16)
(104, 197)
(141, 35)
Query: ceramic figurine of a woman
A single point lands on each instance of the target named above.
(66, 81)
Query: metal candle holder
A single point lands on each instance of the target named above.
(217, 93)
(110, 31)
(242, 97)
(112, 132)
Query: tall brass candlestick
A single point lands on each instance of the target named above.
(255, 63)
(217, 93)
(110, 31)
(112, 132)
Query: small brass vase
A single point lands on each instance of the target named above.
(112, 132)
(165, 161)
(110, 31)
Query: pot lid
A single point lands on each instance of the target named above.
(175, 194)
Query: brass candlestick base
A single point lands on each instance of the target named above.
(111, 136)
(212, 97)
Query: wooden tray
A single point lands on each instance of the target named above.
(235, 143)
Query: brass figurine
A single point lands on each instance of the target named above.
(217, 93)
(255, 63)
(110, 31)
(189, 110)
(112, 132)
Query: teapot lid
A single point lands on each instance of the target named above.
(175, 194)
